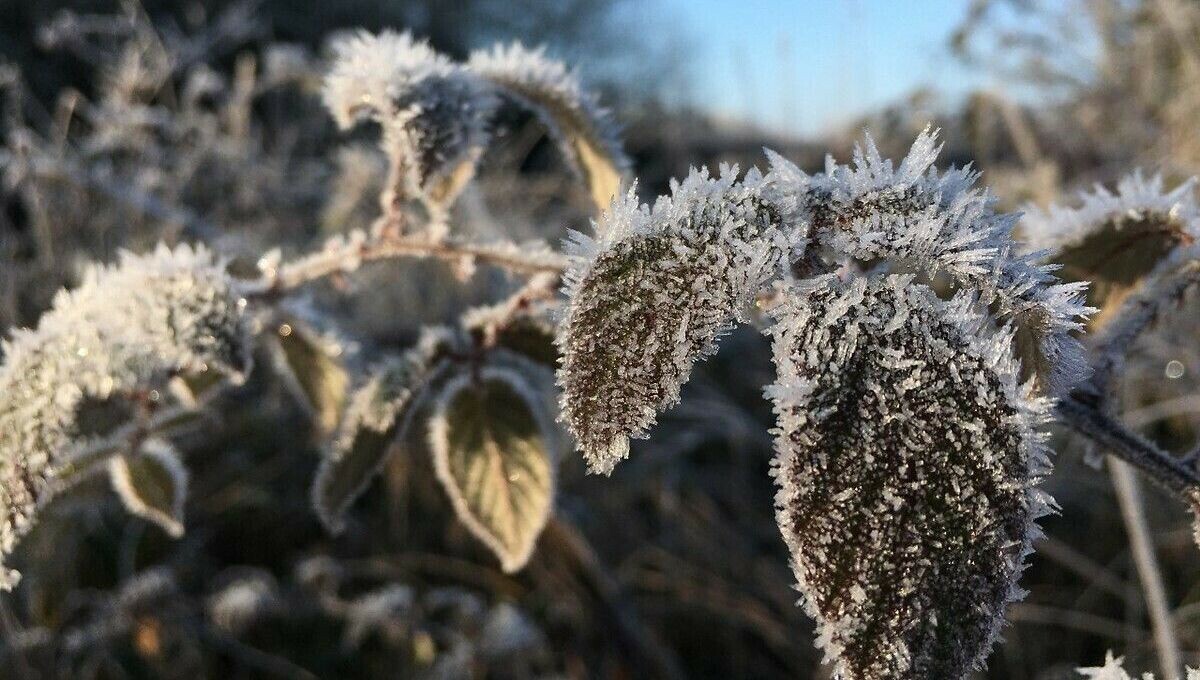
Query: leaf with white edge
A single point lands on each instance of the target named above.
(377, 413)
(1115, 240)
(152, 484)
(311, 366)
(652, 296)
(583, 129)
(490, 440)
(907, 458)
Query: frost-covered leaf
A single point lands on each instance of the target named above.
(652, 296)
(152, 483)
(1115, 240)
(491, 445)
(311, 366)
(126, 328)
(375, 416)
(907, 455)
(529, 332)
(583, 129)
(434, 113)
(912, 218)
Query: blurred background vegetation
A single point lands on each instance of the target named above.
(125, 123)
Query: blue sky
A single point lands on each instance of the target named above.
(805, 66)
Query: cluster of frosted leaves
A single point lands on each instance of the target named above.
(127, 327)
(1113, 669)
(436, 113)
(907, 459)
(1116, 239)
(940, 225)
(375, 417)
(651, 295)
(433, 112)
(583, 128)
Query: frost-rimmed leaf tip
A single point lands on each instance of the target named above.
(1116, 240)
(126, 327)
(1114, 669)
(584, 129)
(907, 458)
(652, 294)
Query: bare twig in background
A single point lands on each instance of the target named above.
(1129, 496)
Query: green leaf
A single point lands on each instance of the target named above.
(377, 414)
(152, 484)
(312, 368)
(490, 439)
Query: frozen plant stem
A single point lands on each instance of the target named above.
(1129, 496)
(386, 244)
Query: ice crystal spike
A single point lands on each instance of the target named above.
(907, 458)
(434, 112)
(653, 294)
(917, 219)
(581, 126)
(126, 327)
(1116, 239)
(1114, 669)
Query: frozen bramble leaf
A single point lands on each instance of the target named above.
(653, 294)
(907, 458)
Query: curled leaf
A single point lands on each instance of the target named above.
(152, 483)
(906, 462)
(490, 439)
(377, 413)
(1116, 240)
(583, 129)
(311, 366)
(127, 328)
(653, 295)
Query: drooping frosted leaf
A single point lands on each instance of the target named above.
(375, 416)
(1115, 240)
(906, 462)
(583, 129)
(434, 113)
(653, 295)
(312, 368)
(127, 327)
(491, 439)
(152, 483)
(529, 331)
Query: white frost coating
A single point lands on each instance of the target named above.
(908, 454)
(652, 294)
(167, 458)
(127, 326)
(938, 223)
(525, 72)
(1137, 198)
(1113, 669)
(434, 112)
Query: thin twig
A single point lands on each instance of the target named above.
(1129, 497)
(344, 255)
(1129, 446)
